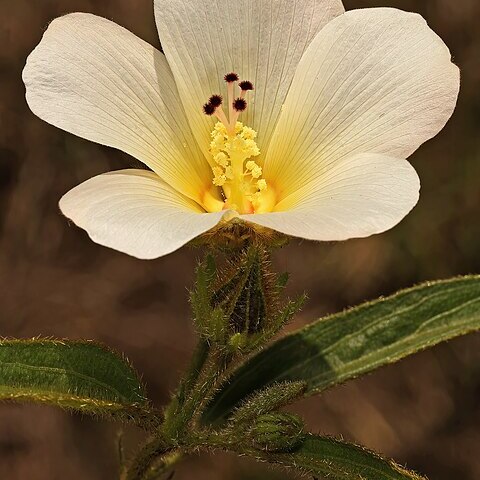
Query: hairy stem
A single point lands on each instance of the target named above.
(149, 458)
(197, 363)
(166, 462)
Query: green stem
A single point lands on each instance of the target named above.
(220, 370)
(166, 463)
(197, 363)
(183, 404)
(147, 458)
(206, 382)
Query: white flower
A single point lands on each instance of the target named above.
(339, 101)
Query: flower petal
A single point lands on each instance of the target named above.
(355, 198)
(97, 80)
(135, 212)
(261, 40)
(375, 80)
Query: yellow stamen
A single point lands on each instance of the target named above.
(238, 176)
(232, 146)
(262, 185)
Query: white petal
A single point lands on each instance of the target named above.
(357, 197)
(135, 212)
(375, 80)
(261, 40)
(97, 80)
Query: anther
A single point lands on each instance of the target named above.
(209, 109)
(215, 100)
(240, 104)
(231, 77)
(246, 85)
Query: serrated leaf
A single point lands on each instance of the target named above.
(354, 342)
(81, 376)
(332, 459)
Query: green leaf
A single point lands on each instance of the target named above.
(81, 376)
(345, 345)
(336, 460)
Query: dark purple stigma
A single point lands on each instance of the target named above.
(240, 104)
(231, 77)
(215, 100)
(209, 109)
(246, 85)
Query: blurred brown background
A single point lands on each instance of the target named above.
(54, 281)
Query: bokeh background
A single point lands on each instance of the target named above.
(54, 281)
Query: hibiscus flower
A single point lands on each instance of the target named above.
(289, 115)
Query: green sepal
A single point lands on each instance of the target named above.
(208, 322)
(245, 291)
(84, 377)
(237, 306)
(285, 316)
(282, 281)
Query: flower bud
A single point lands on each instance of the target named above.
(246, 294)
(238, 304)
(276, 432)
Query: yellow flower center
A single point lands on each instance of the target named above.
(238, 176)
(233, 149)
